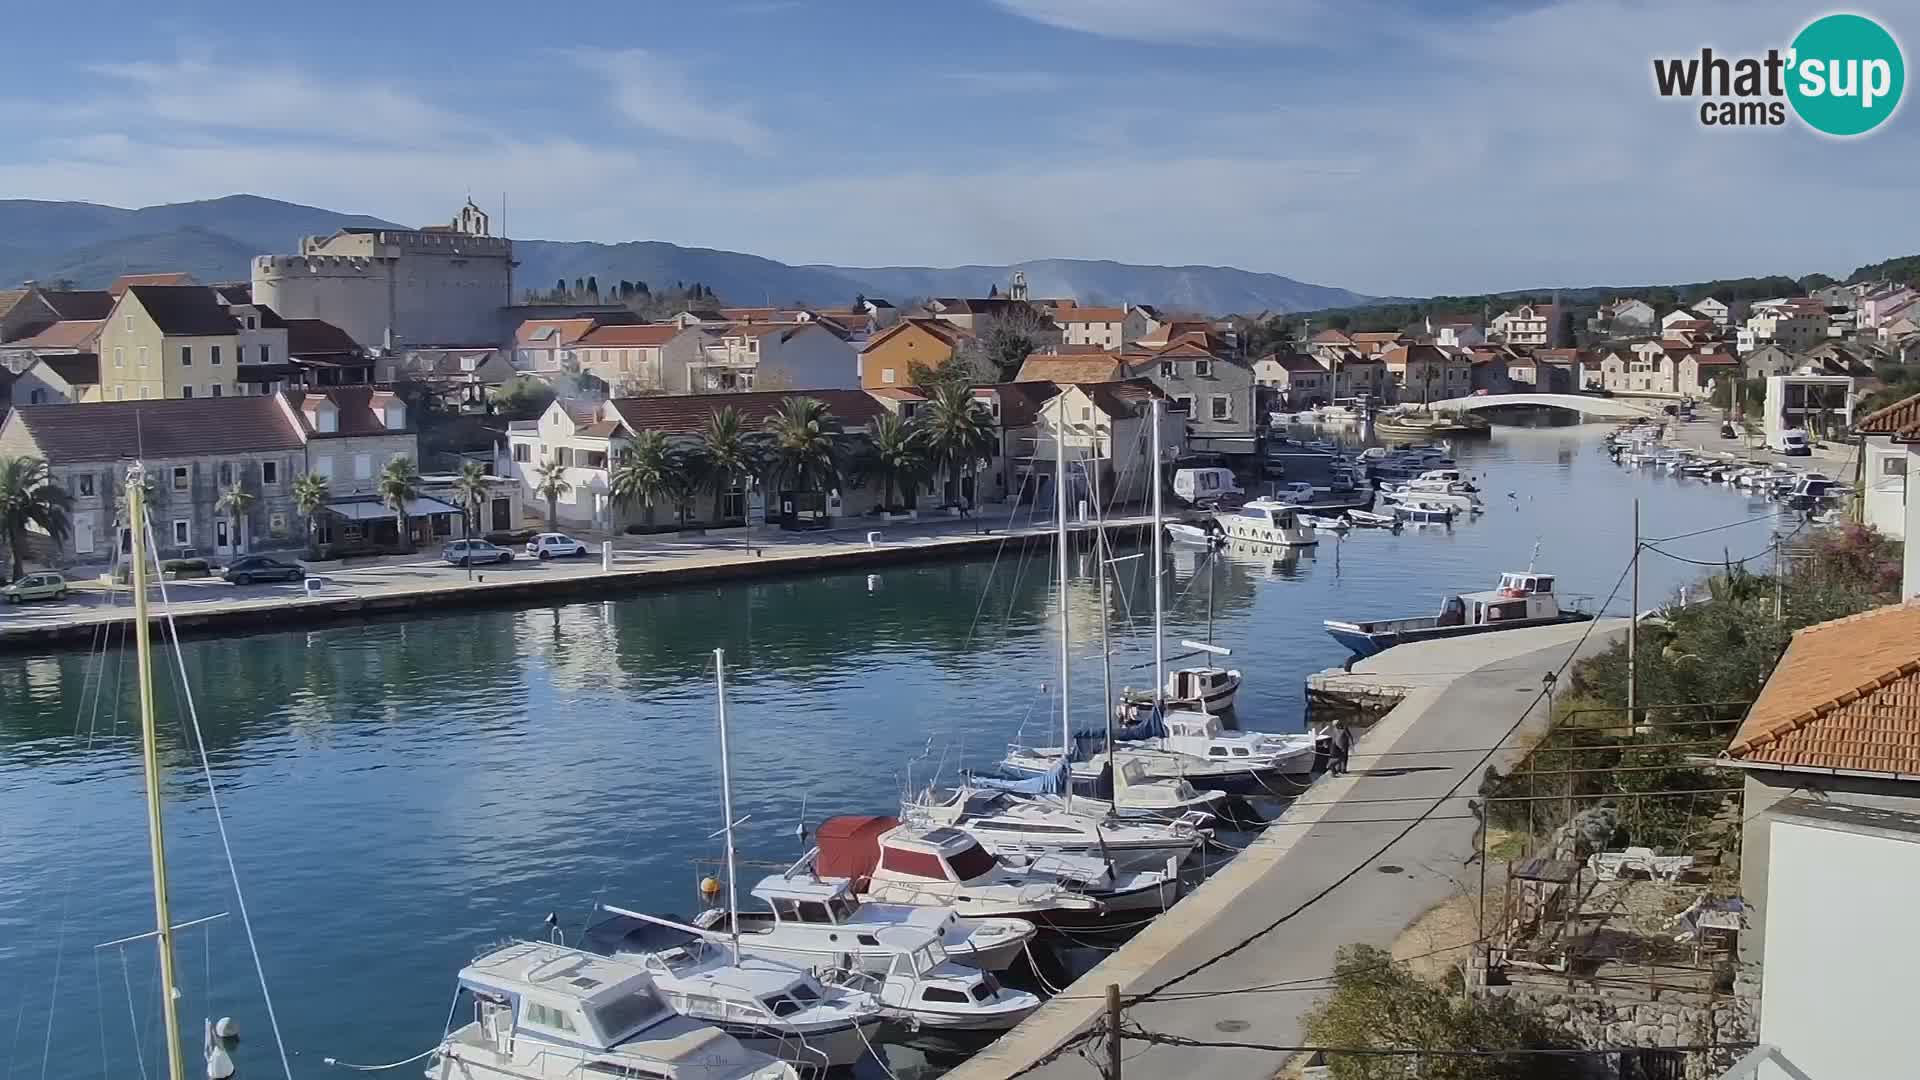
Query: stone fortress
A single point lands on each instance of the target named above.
(395, 288)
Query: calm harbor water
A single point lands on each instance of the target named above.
(402, 794)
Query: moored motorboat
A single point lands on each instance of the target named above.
(1267, 521)
(1421, 511)
(1522, 599)
(1195, 535)
(1369, 520)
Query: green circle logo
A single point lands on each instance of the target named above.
(1847, 74)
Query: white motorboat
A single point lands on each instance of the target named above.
(1181, 532)
(1367, 519)
(1136, 796)
(892, 863)
(903, 962)
(542, 1011)
(1339, 414)
(1522, 599)
(1194, 748)
(1324, 523)
(797, 896)
(1267, 521)
(1421, 511)
(767, 1005)
(1462, 502)
(1010, 827)
(1210, 688)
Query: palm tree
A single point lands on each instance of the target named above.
(398, 485)
(550, 482)
(729, 457)
(472, 487)
(310, 493)
(28, 496)
(234, 502)
(897, 456)
(806, 451)
(639, 474)
(956, 431)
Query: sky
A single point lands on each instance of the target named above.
(1403, 147)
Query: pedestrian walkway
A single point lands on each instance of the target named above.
(1355, 859)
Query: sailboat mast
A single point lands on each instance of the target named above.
(726, 792)
(1159, 650)
(156, 833)
(1060, 518)
(1100, 558)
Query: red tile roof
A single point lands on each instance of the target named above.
(1090, 315)
(1845, 695)
(357, 407)
(948, 333)
(65, 334)
(566, 331)
(124, 281)
(1900, 420)
(1074, 368)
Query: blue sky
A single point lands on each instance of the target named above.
(1389, 146)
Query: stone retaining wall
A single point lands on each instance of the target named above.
(1598, 1016)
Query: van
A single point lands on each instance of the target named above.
(1205, 487)
(1794, 444)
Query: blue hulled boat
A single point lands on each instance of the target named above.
(1522, 599)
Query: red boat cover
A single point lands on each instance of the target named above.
(850, 845)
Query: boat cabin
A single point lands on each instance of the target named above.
(554, 993)
(1198, 684)
(1205, 485)
(1520, 596)
(1199, 733)
(858, 847)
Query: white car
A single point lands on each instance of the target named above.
(550, 545)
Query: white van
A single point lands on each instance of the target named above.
(1794, 443)
(1203, 487)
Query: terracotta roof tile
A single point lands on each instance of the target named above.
(126, 281)
(1900, 420)
(1076, 368)
(167, 428)
(1845, 695)
(650, 334)
(65, 334)
(356, 406)
(10, 297)
(1090, 315)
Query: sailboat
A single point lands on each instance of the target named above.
(766, 1004)
(1011, 827)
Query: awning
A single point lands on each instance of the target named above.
(371, 509)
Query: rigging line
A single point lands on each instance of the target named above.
(1398, 836)
(133, 1016)
(219, 817)
(998, 550)
(100, 1015)
(1702, 532)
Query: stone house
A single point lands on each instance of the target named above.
(1210, 388)
(1101, 326)
(741, 356)
(1768, 360)
(33, 309)
(1528, 324)
(1293, 380)
(194, 449)
(1106, 426)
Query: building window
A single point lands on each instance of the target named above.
(886, 376)
(186, 391)
(1222, 407)
(522, 452)
(146, 393)
(1889, 466)
(186, 356)
(129, 324)
(213, 355)
(182, 534)
(119, 393)
(1182, 404)
(1166, 369)
(1202, 368)
(362, 466)
(226, 473)
(181, 478)
(266, 354)
(119, 356)
(84, 484)
(250, 322)
(269, 472)
(143, 356)
(214, 390)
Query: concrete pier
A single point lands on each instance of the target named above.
(1348, 863)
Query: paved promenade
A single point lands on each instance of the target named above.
(1323, 859)
(423, 582)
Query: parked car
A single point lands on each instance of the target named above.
(466, 552)
(43, 586)
(551, 545)
(251, 568)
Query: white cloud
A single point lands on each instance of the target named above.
(204, 94)
(1191, 22)
(653, 91)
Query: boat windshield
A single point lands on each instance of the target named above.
(621, 1017)
(971, 862)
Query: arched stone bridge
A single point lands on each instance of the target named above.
(1589, 406)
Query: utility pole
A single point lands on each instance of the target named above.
(1113, 1031)
(1633, 625)
(1779, 585)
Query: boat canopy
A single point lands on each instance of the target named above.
(1051, 782)
(850, 844)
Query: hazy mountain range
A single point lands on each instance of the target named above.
(215, 239)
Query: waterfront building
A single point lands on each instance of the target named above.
(1208, 386)
(1293, 380)
(1106, 425)
(196, 448)
(184, 341)
(436, 285)
(586, 441)
(59, 379)
(774, 355)
(1816, 404)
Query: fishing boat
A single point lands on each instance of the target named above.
(798, 897)
(543, 1011)
(902, 962)
(888, 862)
(1267, 521)
(1521, 599)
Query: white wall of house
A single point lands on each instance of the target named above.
(1836, 999)
(1884, 506)
(812, 358)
